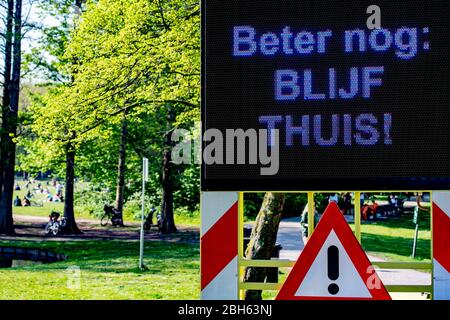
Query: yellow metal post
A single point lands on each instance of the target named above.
(357, 215)
(311, 211)
(240, 243)
(280, 263)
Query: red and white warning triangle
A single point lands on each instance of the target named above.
(333, 266)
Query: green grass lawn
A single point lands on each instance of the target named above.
(192, 220)
(108, 271)
(392, 239)
(45, 210)
(395, 244)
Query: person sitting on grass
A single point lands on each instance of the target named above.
(59, 188)
(49, 197)
(26, 202)
(374, 209)
(17, 202)
(370, 210)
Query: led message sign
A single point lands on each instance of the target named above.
(306, 95)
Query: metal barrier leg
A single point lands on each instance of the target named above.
(219, 245)
(441, 245)
(311, 213)
(357, 215)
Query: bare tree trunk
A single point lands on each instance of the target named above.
(69, 214)
(263, 238)
(9, 113)
(120, 189)
(167, 224)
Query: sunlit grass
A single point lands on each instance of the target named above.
(108, 271)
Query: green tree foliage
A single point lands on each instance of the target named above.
(142, 56)
(293, 206)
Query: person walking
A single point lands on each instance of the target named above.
(304, 223)
(333, 198)
(347, 203)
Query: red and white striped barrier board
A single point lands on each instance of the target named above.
(441, 245)
(219, 245)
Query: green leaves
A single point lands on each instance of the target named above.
(135, 54)
(139, 55)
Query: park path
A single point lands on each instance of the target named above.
(289, 236)
(32, 228)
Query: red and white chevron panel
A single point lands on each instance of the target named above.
(219, 246)
(441, 245)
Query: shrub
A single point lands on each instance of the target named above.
(91, 200)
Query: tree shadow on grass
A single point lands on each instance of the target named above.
(395, 245)
(118, 256)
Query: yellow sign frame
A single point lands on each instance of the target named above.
(283, 263)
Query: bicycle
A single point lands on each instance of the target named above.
(111, 214)
(55, 226)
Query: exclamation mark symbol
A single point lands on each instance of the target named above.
(333, 269)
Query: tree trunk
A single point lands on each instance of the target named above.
(8, 55)
(69, 214)
(167, 223)
(9, 113)
(120, 189)
(263, 238)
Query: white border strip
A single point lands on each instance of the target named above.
(442, 200)
(441, 282)
(213, 207)
(225, 284)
